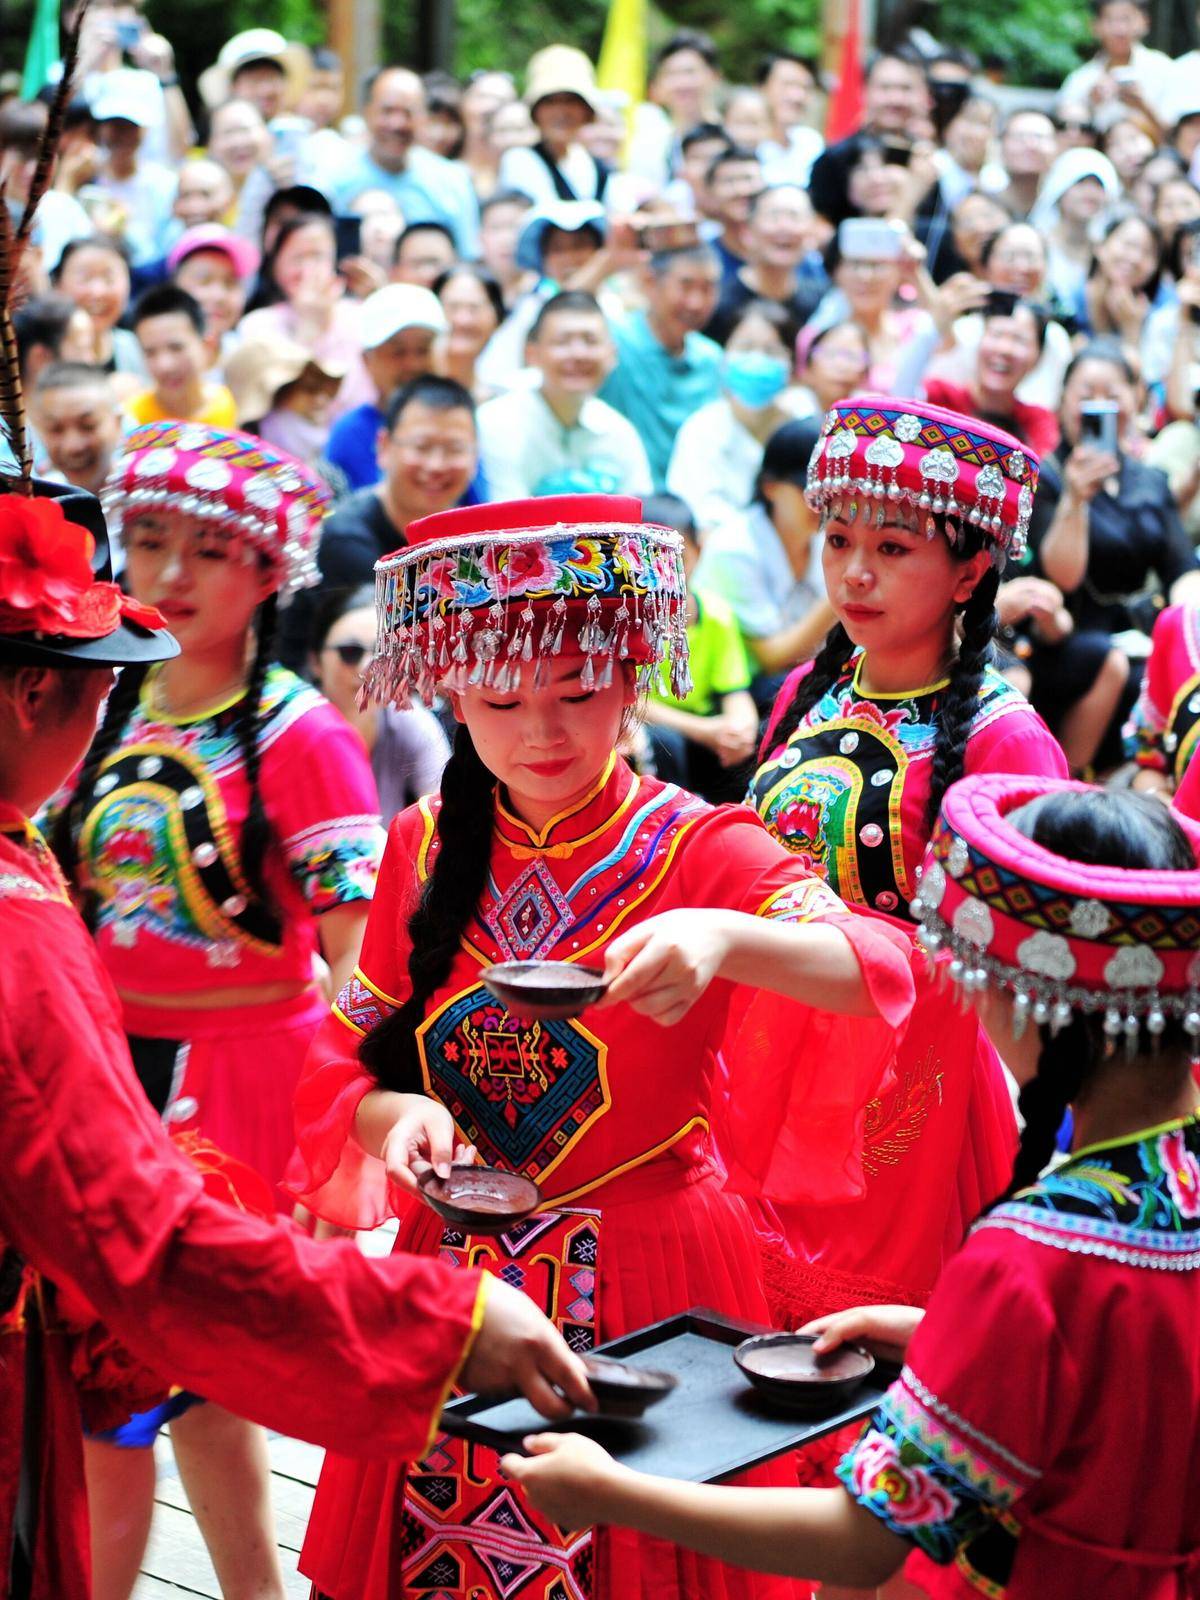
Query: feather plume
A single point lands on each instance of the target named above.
(12, 399)
(12, 248)
(52, 133)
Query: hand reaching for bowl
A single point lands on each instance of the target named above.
(518, 1348)
(885, 1330)
(565, 1476)
(421, 1137)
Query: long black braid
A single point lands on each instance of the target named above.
(256, 830)
(450, 895)
(960, 701)
(828, 665)
(958, 706)
(64, 836)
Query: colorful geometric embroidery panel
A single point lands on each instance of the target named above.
(359, 1007)
(522, 1094)
(531, 915)
(463, 1532)
(1039, 906)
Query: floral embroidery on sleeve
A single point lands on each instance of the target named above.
(336, 863)
(928, 1474)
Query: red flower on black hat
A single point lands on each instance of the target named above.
(46, 580)
(145, 616)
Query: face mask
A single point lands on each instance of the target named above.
(753, 378)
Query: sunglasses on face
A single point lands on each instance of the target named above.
(352, 655)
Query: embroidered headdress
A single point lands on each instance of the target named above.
(877, 454)
(488, 594)
(1060, 935)
(236, 482)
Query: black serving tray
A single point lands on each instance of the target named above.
(712, 1427)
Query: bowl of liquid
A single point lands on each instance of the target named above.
(625, 1391)
(785, 1369)
(480, 1199)
(544, 991)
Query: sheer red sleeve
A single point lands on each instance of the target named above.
(797, 1079)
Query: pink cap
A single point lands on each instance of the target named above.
(241, 254)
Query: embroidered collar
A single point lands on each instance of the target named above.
(39, 874)
(1134, 1200)
(15, 823)
(608, 799)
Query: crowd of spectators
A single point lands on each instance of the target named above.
(463, 291)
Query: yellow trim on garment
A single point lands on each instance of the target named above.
(379, 994)
(539, 839)
(481, 1298)
(426, 838)
(156, 714)
(548, 1204)
(1135, 1138)
(904, 694)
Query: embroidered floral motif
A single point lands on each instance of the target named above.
(1182, 1171)
(845, 770)
(1138, 1203)
(911, 1496)
(337, 862)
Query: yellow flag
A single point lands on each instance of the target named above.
(622, 63)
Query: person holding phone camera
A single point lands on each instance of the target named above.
(868, 261)
(1106, 531)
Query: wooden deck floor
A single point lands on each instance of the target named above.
(177, 1563)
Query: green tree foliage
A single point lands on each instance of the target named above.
(1038, 41)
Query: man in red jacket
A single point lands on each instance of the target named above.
(95, 1204)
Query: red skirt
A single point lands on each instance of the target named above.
(668, 1239)
(238, 1074)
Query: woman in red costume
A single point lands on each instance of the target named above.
(1165, 725)
(542, 619)
(920, 508)
(316, 1340)
(1041, 1440)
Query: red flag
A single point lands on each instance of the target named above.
(846, 103)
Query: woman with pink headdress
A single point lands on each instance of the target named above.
(919, 509)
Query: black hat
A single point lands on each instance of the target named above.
(131, 641)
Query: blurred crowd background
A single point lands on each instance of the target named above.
(442, 289)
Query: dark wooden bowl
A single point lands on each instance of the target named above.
(545, 991)
(785, 1370)
(481, 1199)
(625, 1391)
